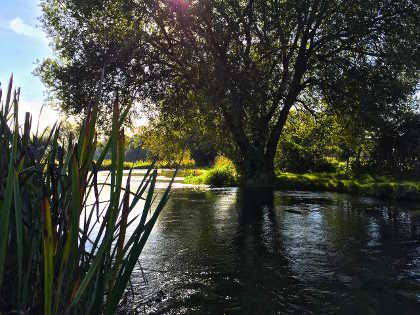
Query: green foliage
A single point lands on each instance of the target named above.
(309, 143)
(183, 172)
(163, 143)
(58, 253)
(186, 162)
(107, 165)
(219, 177)
(135, 148)
(381, 187)
(328, 143)
(222, 174)
(166, 137)
(396, 148)
(242, 75)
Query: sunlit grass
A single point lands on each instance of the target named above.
(224, 175)
(185, 163)
(381, 186)
(188, 172)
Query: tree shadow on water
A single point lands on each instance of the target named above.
(267, 281)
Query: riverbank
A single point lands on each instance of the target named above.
(381, 186)
(139, 165)
(223, 174)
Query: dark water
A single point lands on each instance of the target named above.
(228, 252)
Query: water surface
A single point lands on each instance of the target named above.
(228, 252)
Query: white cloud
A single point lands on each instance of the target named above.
(18, 26)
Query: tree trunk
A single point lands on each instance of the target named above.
(257, 170)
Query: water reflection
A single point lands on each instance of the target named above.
(265, 273)
(265, 252)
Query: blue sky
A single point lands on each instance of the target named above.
(23, 43)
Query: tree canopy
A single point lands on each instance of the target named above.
(241, 64)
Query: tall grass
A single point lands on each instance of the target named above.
(58, 253)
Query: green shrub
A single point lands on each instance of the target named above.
(189, 172)
(222, 174)
(50, 260)
(222, 161)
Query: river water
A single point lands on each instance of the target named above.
(239, 252)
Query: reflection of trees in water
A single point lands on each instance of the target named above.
(244, 252)
(354, 225)
(397, 239)
(199, 224)
(370, 245)
(336, 246)
(268, 283)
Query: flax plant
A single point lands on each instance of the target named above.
(60, 253)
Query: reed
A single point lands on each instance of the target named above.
(60, 253)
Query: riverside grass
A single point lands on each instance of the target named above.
(366, 185)
(51, 261)
(185, 164)
(224, 175)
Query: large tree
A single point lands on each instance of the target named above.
(243, 63)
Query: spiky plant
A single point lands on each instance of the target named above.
(58, 253)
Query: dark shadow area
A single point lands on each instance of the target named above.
(253, 201)
(267, 280)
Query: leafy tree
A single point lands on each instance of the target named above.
(242, 65)
(168, 140)
(397, 147)
(135, 150)
(308, 141)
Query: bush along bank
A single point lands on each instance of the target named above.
(222, 174)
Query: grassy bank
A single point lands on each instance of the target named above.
(381, 187)
(186, 172)
(186, 164)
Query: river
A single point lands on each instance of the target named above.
(228, 251)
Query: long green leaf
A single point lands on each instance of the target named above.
(6, 206)
(48, 256)
(19, 237)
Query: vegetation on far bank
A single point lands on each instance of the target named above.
(223, 174)
(316, 152)
(185, 164)
(381, 187)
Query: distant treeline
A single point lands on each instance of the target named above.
(311, 142)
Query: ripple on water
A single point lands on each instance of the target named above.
(333, 254)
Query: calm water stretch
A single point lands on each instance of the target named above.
(234, 252)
